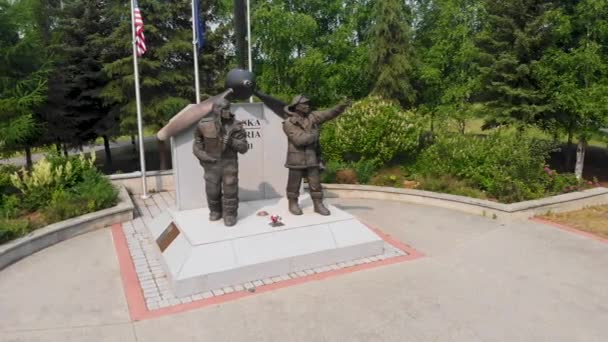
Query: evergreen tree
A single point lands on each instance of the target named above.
(391, 52)
(75, 113)
(23, 74)
(516, 35)
(166, 70)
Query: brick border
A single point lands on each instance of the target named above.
(570, 229)
(137, 304)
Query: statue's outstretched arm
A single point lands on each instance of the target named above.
(276, 105)
(326, 115)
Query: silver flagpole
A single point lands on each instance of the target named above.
(249, 41)
(197, 85)
(142, 155)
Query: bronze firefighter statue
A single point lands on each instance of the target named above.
(218, 140)
(302, 128)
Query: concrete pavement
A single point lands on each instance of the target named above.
(481, 280)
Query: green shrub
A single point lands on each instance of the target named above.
(373, 130)
(392, 180)
(364, 169)
(557, 183)
(5, 178)
(12, 229)
(450, 185)
(9, 206)
(508, 167)
(75, 168)
(37, 185)
(94, 193)
(331, 169)
(49, 175)
(63, 205)
(56, 189)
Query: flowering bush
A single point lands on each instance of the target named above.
(564, 183)
(373, 130)
(49, 174)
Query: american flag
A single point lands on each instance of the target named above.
(140, 39)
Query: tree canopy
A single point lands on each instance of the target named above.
(23, 74)
(66, 71)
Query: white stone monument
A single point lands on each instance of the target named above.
(199, 255)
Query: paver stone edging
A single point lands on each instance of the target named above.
(39, 239)
(564, 202)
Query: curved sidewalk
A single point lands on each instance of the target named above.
(481, 280)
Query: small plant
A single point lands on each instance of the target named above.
(346, 176)
(392, 176)
(450, 185)
(6, 185)
(11, 229)
(9, 206)
(63, 205)
(364, 169)
(388, 180)
(331, 169)
(38, 185)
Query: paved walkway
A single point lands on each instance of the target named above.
(481, 280)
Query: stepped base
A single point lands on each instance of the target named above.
(200, 256)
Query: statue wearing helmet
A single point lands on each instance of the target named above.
(302, 127)
(218, 140)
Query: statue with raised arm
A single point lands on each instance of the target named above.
(302, 127)
(218, 140)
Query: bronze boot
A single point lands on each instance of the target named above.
(230, 212)
(294, 208)
(320, 208)
(229, 220)
(215, 210)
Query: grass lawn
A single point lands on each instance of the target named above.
(148, 131)
(474, 127)
(593, 220)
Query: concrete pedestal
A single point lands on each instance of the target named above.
(200, 256)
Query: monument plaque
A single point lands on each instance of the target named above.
(167, 237)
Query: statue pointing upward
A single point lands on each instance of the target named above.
(302, 127)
